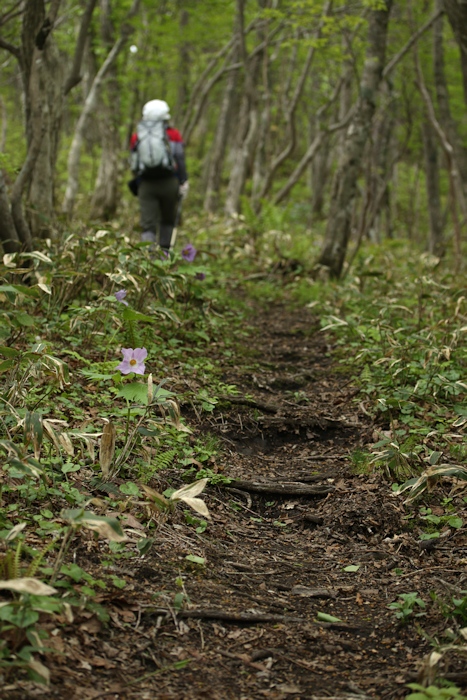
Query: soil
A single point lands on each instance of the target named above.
(252, 623)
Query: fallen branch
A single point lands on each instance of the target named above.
(226, 616)
(315, 519)
(288, 488)
(239, 400)
(304, 421)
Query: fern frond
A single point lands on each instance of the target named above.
(36, 562)
(132, 337)
(16, 561)
(163, 460)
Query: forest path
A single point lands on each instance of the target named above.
(253, 622)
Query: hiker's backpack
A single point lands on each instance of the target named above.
(152, 153)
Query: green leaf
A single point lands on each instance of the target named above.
(352, 567)
(130, 314)
(73, 571)
(6, 365)
(21, 617)
(118, 582)
(24, 469)
(19, 289)
(196, 560)
(145, 544)
(109, 528)
(8, 352)
(38, 255)
(324, 617)
(23, 319)
(136, 392)
(455, 522)
(69, 468)
(130, 489)
(95, 375)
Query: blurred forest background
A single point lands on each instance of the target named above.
(346, 116)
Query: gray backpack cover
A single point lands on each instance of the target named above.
(153, 149)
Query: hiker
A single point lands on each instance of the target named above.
(159, 170)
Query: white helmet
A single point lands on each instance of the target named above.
(155, 110)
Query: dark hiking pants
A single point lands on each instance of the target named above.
(158, 200)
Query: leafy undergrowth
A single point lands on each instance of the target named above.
(79, 429)
(85, 433)
(400, 321)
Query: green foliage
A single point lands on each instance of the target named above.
(199, 524)
(406, 606)
(434, 693)
(399, 321)
(453, 607)
(69, 421)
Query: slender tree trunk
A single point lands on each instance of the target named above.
(184, 66)
(430, 148)
(44, 88)
(456, 11)
(242, 156)
(4, 125)
(379, 165)
(88, 109)
(345, 102)
(260, 161)
(318, 170)
(442, 95)
(309, 155)
(456, 191)
(8, 236)
(345, 179)
(105, 197)
(216, 161)
(244, 151)
(104, 201)
(290, 144)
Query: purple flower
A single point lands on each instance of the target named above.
(200, 276)
(120, 296)
(133, 360)
(189, 252)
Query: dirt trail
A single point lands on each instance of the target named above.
(275, 562)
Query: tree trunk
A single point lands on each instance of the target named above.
(456, 11)
(104, 201)
(430, 148)
(246, 142)
(290, 143)
(43, 90)
(88, 109)
(318, 169)
(184, 66)
(260, 161)
(345, 179)
(8, 236)
(216, 161)
(377, 184)
(242, 155)
(105, 197)
(445, 117)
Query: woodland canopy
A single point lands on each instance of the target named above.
(352, 113)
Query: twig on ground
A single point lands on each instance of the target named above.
(289, 488)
